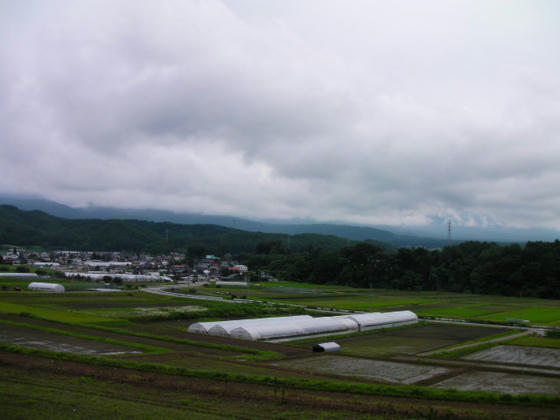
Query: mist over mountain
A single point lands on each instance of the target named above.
(478, 232)
(358, 233)
(433, 235)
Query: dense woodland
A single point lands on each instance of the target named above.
(473, 267)
(476, 267)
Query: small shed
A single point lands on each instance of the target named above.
(47, 287)
(330, 346)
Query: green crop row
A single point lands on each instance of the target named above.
(63, 316)
(404, 391)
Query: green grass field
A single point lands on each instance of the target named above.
(65, 316)
(428, 304)
(153, 327)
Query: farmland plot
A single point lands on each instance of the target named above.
(502, 382)
(402, 373)
(412, 340)
(533, 356)
(48, 341)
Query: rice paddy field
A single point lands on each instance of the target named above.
(128, 355)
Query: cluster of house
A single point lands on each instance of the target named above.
(210, 266)
(129, 267)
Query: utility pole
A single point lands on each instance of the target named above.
(449, 230)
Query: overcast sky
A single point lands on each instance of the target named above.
(374, 112)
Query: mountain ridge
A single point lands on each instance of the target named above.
(37, 228)
(351, 232)
(430, 236)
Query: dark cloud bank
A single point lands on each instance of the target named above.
(365, 112)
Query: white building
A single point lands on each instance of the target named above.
(127, 278)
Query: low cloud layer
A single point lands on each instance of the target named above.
(367, 111)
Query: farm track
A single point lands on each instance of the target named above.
(466, 346)
(163, 292)
(158, 389)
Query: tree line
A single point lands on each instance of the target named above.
(470, 267)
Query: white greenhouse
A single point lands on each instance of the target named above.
(302, 328)
(375, 320)
(292, 327)
(47, 287)
(223, 328)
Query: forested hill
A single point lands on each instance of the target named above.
(18, 227)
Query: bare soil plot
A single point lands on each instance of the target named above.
(412, 340)
(56, 342)
(402, 373)
(502, 382)
(534, 356)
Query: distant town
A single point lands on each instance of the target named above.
(120, 267)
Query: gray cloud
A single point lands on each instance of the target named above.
(367, 112)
